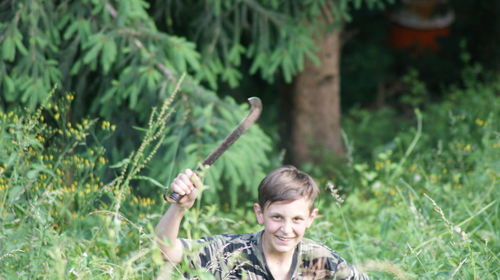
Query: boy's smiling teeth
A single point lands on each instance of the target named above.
(284, 238)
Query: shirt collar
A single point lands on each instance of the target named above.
(259, 253)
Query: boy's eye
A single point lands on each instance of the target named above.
(298, 219)
(276, 217)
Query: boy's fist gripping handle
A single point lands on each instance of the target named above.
(175, 197)
(251, 118)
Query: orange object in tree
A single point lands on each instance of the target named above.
(419, 23)
(419, 39)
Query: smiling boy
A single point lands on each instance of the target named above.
(285, 209)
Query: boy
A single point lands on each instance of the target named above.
(285, 209)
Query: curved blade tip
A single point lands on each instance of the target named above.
(255, 101)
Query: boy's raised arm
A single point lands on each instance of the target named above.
(186, 184)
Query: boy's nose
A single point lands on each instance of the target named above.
(286, 227)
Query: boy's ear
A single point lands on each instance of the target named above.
(258, 213)
(312, 216)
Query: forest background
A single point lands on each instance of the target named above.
(103, 102)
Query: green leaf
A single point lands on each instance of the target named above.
(91, 55)
(235, 52)
(71, 30)
(15, 192)
(9, 84)
(357, 4)
(121, 163)
(108, 55)
(18, 38)
(152, 78)
(76, 67)
(8, 49)
(193, 59)
(133, 94)
(149, 179)
(258, 62)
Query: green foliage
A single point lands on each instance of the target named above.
(424, 207)
(121, 58)
(50, 185)
(118, 62)
(418, 93)
(56, 206)
(275, 36)
(370, 133)
(59, 219)
(116, 50)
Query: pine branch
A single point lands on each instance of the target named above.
(138, 43)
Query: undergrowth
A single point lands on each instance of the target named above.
(424, 205)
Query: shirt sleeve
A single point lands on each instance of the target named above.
(324, 263)
(203, 252)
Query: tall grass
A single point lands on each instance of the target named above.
(423, 206)
(427, 205)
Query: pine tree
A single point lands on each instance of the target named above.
(121, 58)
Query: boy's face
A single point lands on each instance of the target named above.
(284, 224)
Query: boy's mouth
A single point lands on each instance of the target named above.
(284, 239)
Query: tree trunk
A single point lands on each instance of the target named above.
(316, 103)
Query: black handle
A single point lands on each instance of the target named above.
(175, 196)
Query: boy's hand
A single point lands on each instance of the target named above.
(187, 184)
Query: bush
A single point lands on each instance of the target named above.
(426, 205)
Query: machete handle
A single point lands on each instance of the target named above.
(175, 197)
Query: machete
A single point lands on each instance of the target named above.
(251, 118)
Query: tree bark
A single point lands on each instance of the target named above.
(316, 101)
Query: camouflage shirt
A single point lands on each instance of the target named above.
(240, 256)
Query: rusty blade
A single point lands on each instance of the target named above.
(244, 125)
(255, 110)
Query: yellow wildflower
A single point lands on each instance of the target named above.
(105, 125)
(102, 160)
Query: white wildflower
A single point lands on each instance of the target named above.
(417, 178)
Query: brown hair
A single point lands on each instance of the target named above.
(287, 183)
